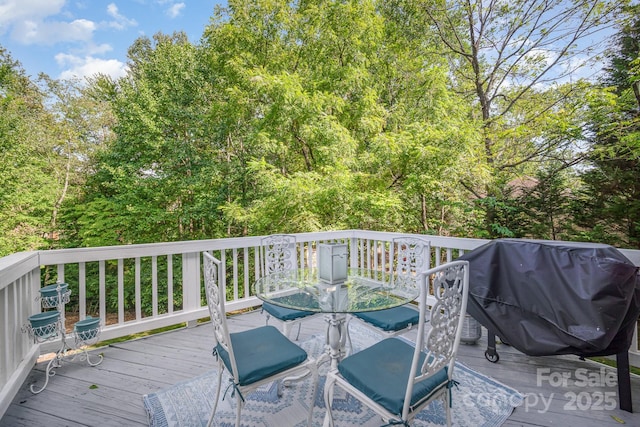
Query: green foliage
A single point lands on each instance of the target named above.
(510, 60)
(286, 118)
(293, 117)
(32, 173)
(609, 206)
(155, 181)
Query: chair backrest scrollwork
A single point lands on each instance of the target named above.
(439, 338)
(450, 286)
(215, 301)
(279, 254)
(410, 256)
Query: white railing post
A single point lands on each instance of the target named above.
(191, 283)
(19, 284)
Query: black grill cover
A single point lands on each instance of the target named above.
(549, 297)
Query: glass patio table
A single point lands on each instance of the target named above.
(363, 290)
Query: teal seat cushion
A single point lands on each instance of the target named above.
(382, 371)
(260, 353)
(391, 319)
(284, 313)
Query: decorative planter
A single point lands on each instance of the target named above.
(49, 294)
(471, 330)
(87, 328)
(49, 324)
(332, 262)
(45, 324)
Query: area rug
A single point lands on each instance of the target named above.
(477, 400)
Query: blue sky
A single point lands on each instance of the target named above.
(81, 37)
(78, 38)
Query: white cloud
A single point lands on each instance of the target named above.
(49, 33)
(52, 22)
(81, 67)
(101, 49)
(121, 22)
(12, 11)
(112, 10)
(29, 22)
(175, 9)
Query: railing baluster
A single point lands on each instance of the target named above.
(154, 286)
(138, 291)
(245, 271)
(60, 272)
(234, 263)
(170, 284)
(256, 262)
(82, 289)
(102, 291)
(376, 246)
(120, 290)
(368, 246)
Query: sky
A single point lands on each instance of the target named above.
(78, 38)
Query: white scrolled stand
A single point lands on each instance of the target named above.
(51, 331)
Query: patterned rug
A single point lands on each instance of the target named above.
(477, 400)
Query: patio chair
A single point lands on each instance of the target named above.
(410, 256)
(397, 379)
(279, 254)
(253, 357)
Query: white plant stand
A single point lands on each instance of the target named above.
(51, 331)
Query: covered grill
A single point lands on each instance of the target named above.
(550, 298)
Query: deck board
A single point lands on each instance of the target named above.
(145, 365)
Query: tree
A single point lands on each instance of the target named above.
(515, 58)
(152, 182)
(610, 207)
(543, 205)
(82, 128)
(342, 120)
(29, 161)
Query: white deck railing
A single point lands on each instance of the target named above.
(173, 272)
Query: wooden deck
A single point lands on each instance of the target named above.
(111, 393)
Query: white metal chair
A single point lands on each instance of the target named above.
(253, 357)
(279, 254)
(410, 256)
(396, 379)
